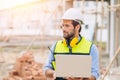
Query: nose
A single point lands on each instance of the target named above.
(62, 27)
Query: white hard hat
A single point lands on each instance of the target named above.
(73, 14)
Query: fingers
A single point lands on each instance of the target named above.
(71, 78)
(50, 74)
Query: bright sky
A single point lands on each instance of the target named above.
(11, 3)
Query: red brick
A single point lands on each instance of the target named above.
(26, 69)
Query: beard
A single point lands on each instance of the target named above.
(67, 35)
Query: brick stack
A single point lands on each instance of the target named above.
(26, 69)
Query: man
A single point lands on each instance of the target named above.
(73, 43)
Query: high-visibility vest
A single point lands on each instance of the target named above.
(82, 48)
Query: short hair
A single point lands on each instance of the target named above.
(75, 23)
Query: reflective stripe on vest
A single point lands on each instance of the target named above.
(82, 48)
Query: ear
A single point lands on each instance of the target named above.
(77, 30)
(77, 27)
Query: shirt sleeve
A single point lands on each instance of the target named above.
(48, 64)
(95, 61)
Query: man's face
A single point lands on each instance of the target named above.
(68, 29)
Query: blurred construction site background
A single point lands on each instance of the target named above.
(34, 25)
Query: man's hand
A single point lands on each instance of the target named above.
(71, 78)
(91, 78)
(50, 74)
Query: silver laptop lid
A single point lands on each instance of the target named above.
(73, 66)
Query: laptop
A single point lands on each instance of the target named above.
(73, 66)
